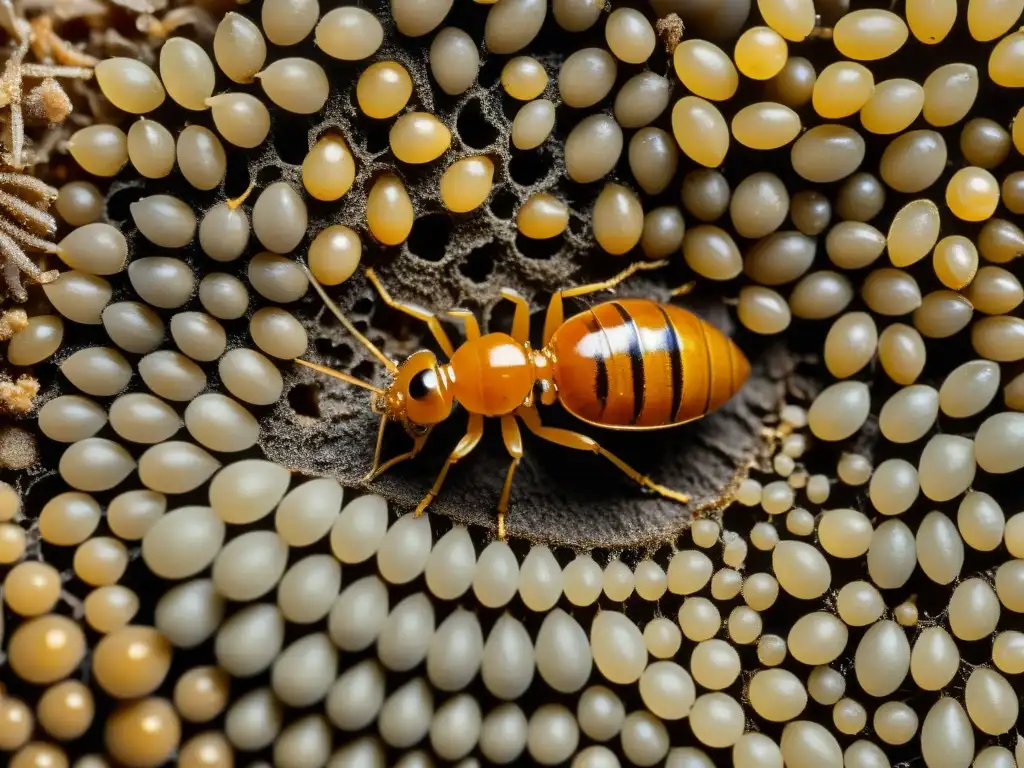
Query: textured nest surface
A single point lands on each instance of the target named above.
(560, 496)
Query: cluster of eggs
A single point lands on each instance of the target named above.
(758, 206)
(801, 635)
(255, 587)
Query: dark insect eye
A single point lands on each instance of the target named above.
(422, 384)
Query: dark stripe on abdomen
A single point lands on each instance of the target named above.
(636, 361)
(675, 351)
(601, 361)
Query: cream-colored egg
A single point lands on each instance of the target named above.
(894, 486)
(909, 414)
(817, 638)
(801, 569)
(840, 410)
(947, 467)
(946, 735)
(892, 555)
(882, 659)
(859, 604)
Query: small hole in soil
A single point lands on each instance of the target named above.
(377, 138)
(479, 264)
(539, 249)
(339, 356)
(290, 137)
(363, 307)
(118, 204)
(501, 317)
(490, 72)
(527, 168)
(365, 370)
(267, 175)
(305, 400)
(429, 237)
(236, 179)
(503, 204)
(474, 127)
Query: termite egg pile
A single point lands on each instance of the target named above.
(180, 588)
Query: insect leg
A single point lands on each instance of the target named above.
(556, 315)
(580, 442)
(514, 444)
(521, 319)
(347, 324)
(417, 446)
(612, 282)
(469, 322)
(469, 441)
(377, 448)
(683, 289)
(420, 314)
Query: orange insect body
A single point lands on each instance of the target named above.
(492, 375)
(637, 364)
(632, 364)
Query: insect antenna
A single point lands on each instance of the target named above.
(336, 311)
(346, 377)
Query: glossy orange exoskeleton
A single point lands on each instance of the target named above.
(632, 364)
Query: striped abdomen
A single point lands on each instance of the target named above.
(637, 364)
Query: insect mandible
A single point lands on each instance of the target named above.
(631, 364)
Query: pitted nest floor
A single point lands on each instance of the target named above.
(560, 496)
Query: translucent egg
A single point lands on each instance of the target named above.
(765, 125)
(842, 89)
(1005, 60)
(130, 85)
(454, 60)
(949, 93)
(533, 124)
(700, 130)
(239, 48)
(151, 148)
(187, 72)
(629, 35)
(869, 34)
(101, 150)
(793, 19)
(705, 69)
(419, 137)
(383, 89)
(893, 106)
(349, 33)
(850, 344)
(909, 414)
(586, 77)
(760, 53)
(389, 213)
(242, 119)
(296, 85)
(972, 194)
(794, 85)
